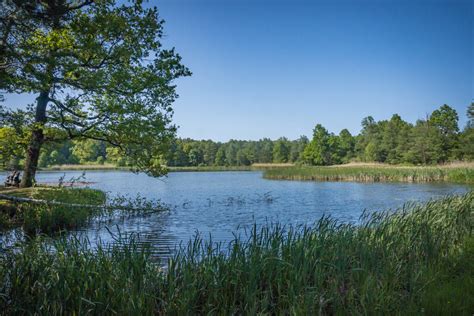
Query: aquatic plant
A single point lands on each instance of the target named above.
(373, 174)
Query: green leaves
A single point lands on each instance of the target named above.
(105, 73)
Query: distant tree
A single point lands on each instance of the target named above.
(466, 143)
(220, 157)
(335, 152)
(466, 138)
(264, 151)
(209, 152)
(346, 145)
(176, 155)
(281, 150)
(370, 152)
(89, 150)
(57, 153)
(426, 144)
(445, 119)
(317, 151)
(297, 148)
(242, 158)
(231, 153)
(195, 156)
(470, 114)
(394, 141)
(372, 137)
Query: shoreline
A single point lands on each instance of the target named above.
(352, 172)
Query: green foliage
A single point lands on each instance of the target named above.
(116, 81)
(317, 151)
(43, 218)
(391, 263)
(189, 152)
(445, 119)
(89, 150)
(426, 146)
(12, 148)
(296, 149)
(470, 113)
(466, 143)
(57, 154)
(431, 141)
(281, 150)
(346, 145)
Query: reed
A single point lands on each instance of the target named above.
(373, 174)
(66, 277)
(389, 263)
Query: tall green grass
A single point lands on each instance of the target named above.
(373, 174)
(49, 218)
(390, 263)
(67, 277)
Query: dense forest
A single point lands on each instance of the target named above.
(436, 139)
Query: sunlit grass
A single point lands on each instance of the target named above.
(404, 262)
(373, 174)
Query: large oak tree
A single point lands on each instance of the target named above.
(98, 71)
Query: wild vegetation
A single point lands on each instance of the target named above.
(49, 218)
(419, 259)
(374, 173)
(435, 140)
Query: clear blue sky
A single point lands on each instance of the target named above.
(276, 68)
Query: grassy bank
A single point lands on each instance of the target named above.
(46, 218)
(374, 173)
(419, 259)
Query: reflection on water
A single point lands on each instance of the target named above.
(220, 203)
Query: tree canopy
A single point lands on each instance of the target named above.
(99, 72)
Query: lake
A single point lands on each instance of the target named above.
(223, 203)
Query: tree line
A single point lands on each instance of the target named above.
(436, 139)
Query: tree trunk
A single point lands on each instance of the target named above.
(37, 138)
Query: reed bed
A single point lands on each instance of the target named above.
(373, 174)
(390, 263)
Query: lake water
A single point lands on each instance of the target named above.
(222, 203)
